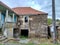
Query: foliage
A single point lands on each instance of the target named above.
(23, 37)
(49, 21)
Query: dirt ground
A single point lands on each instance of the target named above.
(30, 41)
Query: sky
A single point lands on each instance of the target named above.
(41, 5)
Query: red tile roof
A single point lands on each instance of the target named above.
(27, 10)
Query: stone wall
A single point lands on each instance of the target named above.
(58, 32)
(37, 25)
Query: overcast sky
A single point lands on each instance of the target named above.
(42, 5)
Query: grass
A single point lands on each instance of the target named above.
(30, 43)
(1, 44)
(23, 37)
(47, 44)
(42, 44)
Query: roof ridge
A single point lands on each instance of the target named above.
(21, 7)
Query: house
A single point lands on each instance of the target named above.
(8, 20)
(22, 21)
(31, 22)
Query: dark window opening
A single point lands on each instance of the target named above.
(0, 30)
(24, 32)
(26, 19)
(49, 33)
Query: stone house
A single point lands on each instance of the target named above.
(8, 20)
(31, 22)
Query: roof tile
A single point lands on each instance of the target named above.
(27, 10)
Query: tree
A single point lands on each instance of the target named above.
(49, 21)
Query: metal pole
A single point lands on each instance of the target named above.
(53, 21)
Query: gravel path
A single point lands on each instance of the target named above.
(24, 41)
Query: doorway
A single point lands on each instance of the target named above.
(49, 33)
(15, 33)
(1, 31)
(24, 32)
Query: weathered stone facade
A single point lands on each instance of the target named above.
(37, 25)
(32, 20)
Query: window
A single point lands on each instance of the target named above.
(26, 19)
(15, 18)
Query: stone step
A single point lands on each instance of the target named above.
(10, 39)
(5, 41)
(2, 38)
